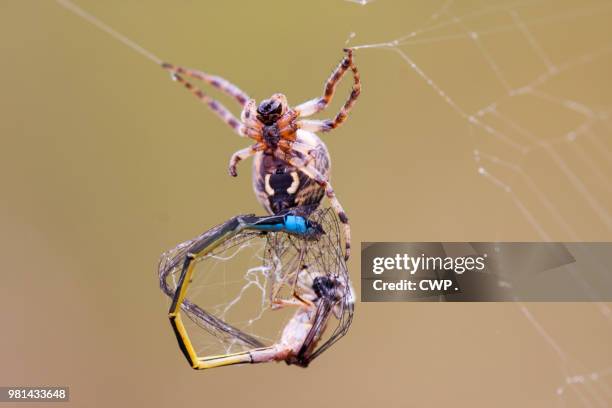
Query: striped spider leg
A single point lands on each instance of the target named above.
(251, 129)
(319, 104)
(323, 181)
(223, 85)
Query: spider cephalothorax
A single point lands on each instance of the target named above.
(291, 165)
(272, 124)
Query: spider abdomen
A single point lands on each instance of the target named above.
(280, 186)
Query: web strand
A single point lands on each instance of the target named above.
(68, 5)
(504, 170)
(516, 141)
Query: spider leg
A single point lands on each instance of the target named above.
(318, 104)
(221, 111)
(249, 113)
(314, 174)
(220, 83)
(330, 124)
(241, 155)
(305, 150)
(315, 125)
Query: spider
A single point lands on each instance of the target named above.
(291, 167)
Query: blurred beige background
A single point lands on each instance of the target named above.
(106, 163)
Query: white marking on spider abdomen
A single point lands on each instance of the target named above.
(267, 186)
(306, 192)
(294, 184)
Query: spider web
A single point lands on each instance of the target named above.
(527, 127)
(218, 289)
(231, 310)
(534, 121)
